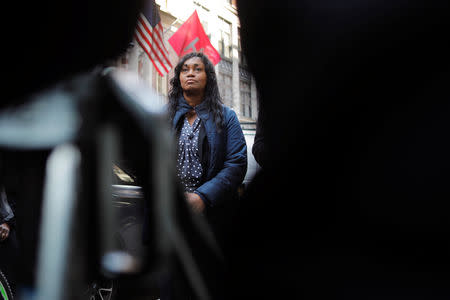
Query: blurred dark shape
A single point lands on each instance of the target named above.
(48, 41)
(352, 203)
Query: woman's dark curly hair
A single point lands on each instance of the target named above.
(212, 95)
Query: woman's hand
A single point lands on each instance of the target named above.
(4, 231)
(195, 202)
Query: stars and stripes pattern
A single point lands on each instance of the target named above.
(149, 35)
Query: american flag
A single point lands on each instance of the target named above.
(149, 35)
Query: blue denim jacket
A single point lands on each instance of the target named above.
(226, 157)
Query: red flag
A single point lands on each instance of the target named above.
(192, 37)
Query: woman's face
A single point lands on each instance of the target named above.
(193, 76)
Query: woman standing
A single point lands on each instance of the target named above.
(212, 153)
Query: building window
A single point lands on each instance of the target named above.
(242, 59)
(225, 77)
(245, 92)
(225, 45)
(246, 98)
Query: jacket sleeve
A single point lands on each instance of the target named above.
(228, 179)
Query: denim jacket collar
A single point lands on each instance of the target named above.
(183, 107)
